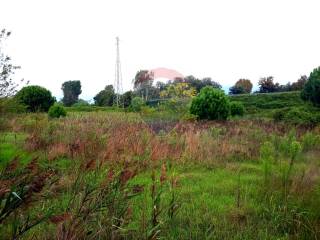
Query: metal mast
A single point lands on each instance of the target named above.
(118, 75)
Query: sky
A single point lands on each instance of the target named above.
(59, 40)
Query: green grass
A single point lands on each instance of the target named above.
(10, 147)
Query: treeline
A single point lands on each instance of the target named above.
(267, 85)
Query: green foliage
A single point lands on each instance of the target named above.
(311, 90)
(126, 98)
(236, 108)
(105, 97)
(57, 111)
(93, 108)
(81, 103)
(178, 90)
(198, 84)
(296, 115)
(71, 91)
(137, 103)
(310, 141)
(35, 98)
(11, 105)
(259, 103)
(210, 104)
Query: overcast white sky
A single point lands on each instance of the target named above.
(61, 40)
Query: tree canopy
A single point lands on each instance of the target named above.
(311, 90)
(241, 86)
(35, 98)
(71, 91)
(105, 97)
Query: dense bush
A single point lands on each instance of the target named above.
(35, 98)
(296, 116)
(236, 108)
(210, 104)
(137, 103)
(57, 111)
(311, 90)
(11, 105)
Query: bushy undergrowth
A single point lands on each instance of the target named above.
(299, 116)
(258, 103)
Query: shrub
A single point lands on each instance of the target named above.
(311, 90)
(11, 105)
(236, 108)
(35, 98)
(137, 103)
(57, 111)
(210, 104)
(296, 116)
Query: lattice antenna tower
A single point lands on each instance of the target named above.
(118, 75)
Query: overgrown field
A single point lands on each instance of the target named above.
(117, 175)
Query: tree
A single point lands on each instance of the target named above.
(71, 91)
(105, 97)
(267, 85)
(126, 98)
(197, 83)
(7, 85)
(178, 90)
(35, 98)
(236, 90)
(211, 103)
(311, 90)
(142, 83)
(299, 84)
(241, 86)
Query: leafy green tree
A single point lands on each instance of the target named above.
(35, 98)
(211, 103)
(105, 97)
(7, 85)
(71, 91)
(311, 90)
